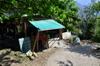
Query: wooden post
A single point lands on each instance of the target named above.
(25, 20)
(47, 45)
(25, 28)
(36, 41)
(60, 33)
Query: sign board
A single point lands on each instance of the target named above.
(25, 44)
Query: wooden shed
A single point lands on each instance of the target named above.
(42, 28)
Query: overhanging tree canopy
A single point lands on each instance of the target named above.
(65, 11)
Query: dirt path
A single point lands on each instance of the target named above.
(76, 56)
(38, 61)
(69, 56)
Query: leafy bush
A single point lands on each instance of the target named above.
(97, 31)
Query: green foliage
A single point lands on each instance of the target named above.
(97, 30)
(87, 22)
(65, 11)
(96, 6)
(89, 17)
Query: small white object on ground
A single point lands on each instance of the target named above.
(29, 53)
(66, 35)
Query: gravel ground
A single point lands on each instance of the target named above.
(73, 56)
(67, 56)
(61, 56)
(38, 61)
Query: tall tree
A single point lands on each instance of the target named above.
(88, 16)
(96, 7)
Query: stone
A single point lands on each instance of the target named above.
(29, 53)
(77, 41)
(35, 54)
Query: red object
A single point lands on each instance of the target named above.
(43, 37)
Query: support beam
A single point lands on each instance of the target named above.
(60, 33)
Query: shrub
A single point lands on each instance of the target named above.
(97, 30)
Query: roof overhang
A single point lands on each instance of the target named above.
(44, 25)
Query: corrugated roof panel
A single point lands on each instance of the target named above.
(44, 25)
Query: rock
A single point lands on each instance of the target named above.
(29, 53)
(35, 54)
(31, 57)
(5, 51)
(22, 55)
(76, 41)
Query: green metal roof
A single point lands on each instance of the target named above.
(49, 24)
